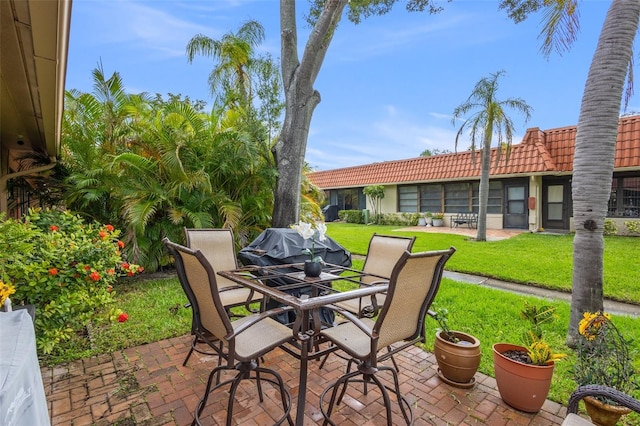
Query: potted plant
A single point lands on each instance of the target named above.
(458, 354)
(438, 219)
(312, 266)
(428, 217)
(524, 373)
(602, 358)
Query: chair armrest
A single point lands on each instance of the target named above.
(351, 318)
(257, 318)
(604, 391)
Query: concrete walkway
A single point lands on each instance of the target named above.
(610, 306)
(500, 234)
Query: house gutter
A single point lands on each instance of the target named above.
(4, 205)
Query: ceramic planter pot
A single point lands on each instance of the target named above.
(604, 414)
(457, 362)
(522, 386)
(312, 269)
(438, 222)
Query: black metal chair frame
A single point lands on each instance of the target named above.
(198, 338)
(243, 366)
(368, 366)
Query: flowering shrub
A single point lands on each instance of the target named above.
(63, 266)
(313, 231)
(603, 355)
(6, 290)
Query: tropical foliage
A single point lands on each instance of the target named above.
(63, 266)
(152, 167)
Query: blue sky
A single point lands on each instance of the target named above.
(388, 85)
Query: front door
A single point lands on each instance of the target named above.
(516, 213)
(556, 203)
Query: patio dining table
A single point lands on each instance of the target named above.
(308, 344)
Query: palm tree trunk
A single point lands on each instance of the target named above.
(594, 156)
(483, 195)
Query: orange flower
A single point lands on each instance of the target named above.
(95, 276)
(123, 317)
(103, 235)
(87, 267)
(54, 228)
(110, 228)
(120, 244)
(53, 271)
(130, 273)
(111, 271)
(124, 265)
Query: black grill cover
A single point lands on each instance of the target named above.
(280, 246)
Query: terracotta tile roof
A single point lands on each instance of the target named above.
(541, 152)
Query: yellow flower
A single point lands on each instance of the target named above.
(5, 291)
(590, 324)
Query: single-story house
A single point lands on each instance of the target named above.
(531, 191)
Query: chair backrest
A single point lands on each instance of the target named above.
(413, 285)
(383, 253)
(198, 279)
(217, 245)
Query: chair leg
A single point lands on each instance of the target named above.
(405, 408)
(327, 414)
(196, 340)
(193, 344)
(344, 388)
(393, 360)
(244, 372)
(402, 401)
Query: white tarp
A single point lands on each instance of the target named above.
(22, 398)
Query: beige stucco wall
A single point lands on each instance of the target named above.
(389, 203)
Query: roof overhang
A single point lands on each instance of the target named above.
(34, 43)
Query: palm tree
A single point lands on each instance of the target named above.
(596, 135)
(234, 54)
(489, 118)
(595, 153)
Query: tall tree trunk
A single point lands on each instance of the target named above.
(483, 190)
(300, 101)
(594, 156)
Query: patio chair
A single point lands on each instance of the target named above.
(382, 255)
(246, 339)
(413, 285)
(218, 247)
(573, 419)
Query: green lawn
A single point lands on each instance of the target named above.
(156, 310)
(536, 259)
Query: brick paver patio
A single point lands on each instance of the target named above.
(147, 385)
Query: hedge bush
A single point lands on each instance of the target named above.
(63, 266)
(351, 216)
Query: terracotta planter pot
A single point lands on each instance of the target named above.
(457, 362)
(604, 414)
(522, 386)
